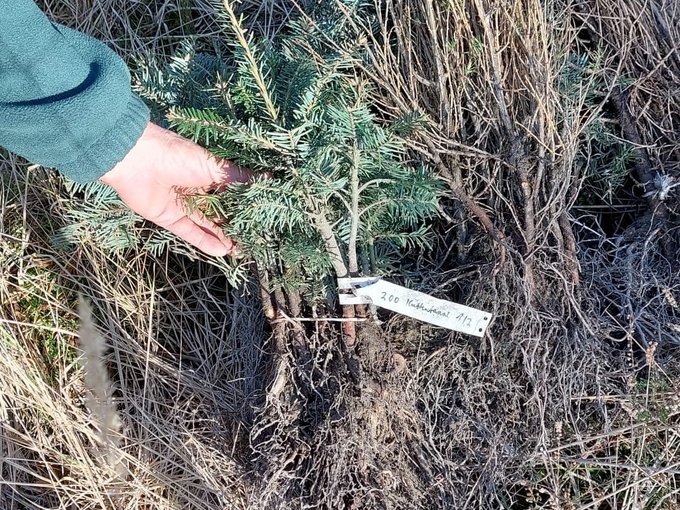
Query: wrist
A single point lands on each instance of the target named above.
(130, 162)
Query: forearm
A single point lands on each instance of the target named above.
(65, 98)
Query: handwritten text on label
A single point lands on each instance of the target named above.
(423, 306)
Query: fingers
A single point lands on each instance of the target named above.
(203, 234)
(186, 164)
(224, 172)
(198, 169)
(227, 172)
(210, 226)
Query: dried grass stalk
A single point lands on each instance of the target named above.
(99, 399)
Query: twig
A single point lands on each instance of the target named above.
(240, 35)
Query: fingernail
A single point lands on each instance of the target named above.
(223, 251)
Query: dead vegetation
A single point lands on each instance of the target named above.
(555, 125)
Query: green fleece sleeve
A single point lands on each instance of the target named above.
(65, 98)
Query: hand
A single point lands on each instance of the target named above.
(163, 163)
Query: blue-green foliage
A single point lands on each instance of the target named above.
(297, 112)
(606, 158)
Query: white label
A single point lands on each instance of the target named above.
(424, 307)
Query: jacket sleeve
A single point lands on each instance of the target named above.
(65, 98)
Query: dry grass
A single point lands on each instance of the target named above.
(185, 362)
(571, 401)
(518, 91)
(185, 352)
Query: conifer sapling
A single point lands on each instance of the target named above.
(335, 196)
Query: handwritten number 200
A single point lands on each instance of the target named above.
(391, 299)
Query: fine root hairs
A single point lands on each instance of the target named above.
(100, 390)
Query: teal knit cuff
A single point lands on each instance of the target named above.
(112, 147)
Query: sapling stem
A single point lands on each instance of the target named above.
(354, 228)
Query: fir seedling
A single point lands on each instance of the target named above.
(335, 194)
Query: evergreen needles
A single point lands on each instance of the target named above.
(336, 195)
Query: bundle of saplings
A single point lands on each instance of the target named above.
(335, 195)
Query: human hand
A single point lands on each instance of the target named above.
(159, 166)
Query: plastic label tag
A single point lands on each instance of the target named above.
(417, 305)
